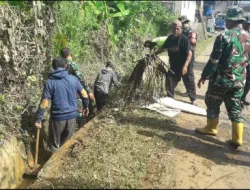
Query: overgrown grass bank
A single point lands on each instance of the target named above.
(98, 31)
(123, 151)
(202, 44)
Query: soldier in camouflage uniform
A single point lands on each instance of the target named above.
(73, 69)
(226, 73)
(246, 27)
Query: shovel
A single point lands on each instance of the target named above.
(34, 171)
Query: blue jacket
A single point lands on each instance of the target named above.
(62, 88)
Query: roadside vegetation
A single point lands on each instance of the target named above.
(100, 30)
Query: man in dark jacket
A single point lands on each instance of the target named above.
(106, 77)
(61, 88)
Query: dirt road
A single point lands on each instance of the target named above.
(203, 161)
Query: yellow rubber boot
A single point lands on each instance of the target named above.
(237, 133)
(211, 128)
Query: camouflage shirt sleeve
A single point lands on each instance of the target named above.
(215, 56)
(73, 69)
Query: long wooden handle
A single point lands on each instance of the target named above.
(166, 65)
(37, 145)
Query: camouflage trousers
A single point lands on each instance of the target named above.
(216, 94)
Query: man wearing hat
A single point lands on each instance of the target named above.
(192, 36)
(105, 78)
(225, 71)
(180, 54)
(246, 27)
(187, 31)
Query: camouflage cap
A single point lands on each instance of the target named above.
(183, 19)
(235, 13)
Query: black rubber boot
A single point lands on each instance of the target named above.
(243, 98)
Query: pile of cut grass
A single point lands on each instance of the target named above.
(123, 150)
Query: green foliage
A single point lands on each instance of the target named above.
(74, 25)
(20, 4)
(2, 97)
(99, 30)
(2, 3)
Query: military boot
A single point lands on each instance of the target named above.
(237, 134)
(211, 128)
(243, 98)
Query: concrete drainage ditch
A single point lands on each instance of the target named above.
(12, 163)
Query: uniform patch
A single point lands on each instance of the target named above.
(44, 104)
(84, 93)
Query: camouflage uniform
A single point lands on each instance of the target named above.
(226, 74)
(79, 119)
(73, 69)
(226, 71)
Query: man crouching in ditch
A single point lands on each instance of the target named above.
(61, 88)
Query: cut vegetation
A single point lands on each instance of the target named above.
(122, 150)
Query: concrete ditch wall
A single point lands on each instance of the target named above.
(12, 163)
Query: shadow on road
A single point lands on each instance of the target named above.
(186, 139)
